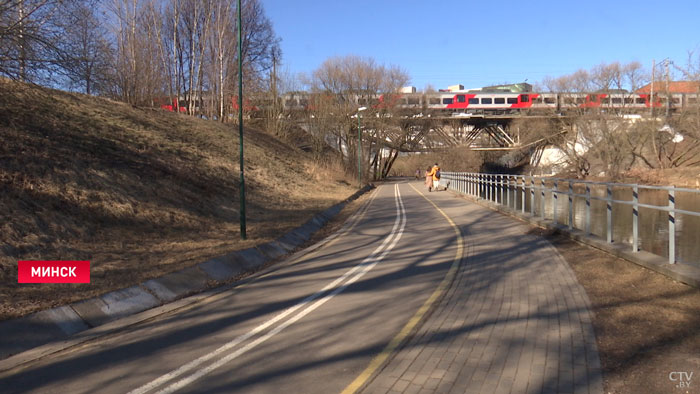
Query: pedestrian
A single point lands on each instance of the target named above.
(417, 173)
(435, 176)
(429, 179)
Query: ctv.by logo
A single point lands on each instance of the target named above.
(682, 379)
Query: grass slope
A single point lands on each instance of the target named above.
(138, 192)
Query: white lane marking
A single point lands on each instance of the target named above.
(197, 362)
(365, 266)
(204, 371)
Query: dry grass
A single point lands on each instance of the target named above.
(646, 324)
(138, 192)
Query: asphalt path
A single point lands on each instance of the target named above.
(316, 323)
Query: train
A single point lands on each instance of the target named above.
(476, 101)
(466, 102)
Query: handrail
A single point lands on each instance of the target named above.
(497, 188)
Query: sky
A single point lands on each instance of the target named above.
(481, 43)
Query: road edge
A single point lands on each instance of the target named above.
(57, 329)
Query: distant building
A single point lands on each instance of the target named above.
(673, 87)
(510, 88)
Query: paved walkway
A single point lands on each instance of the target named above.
(514, 321)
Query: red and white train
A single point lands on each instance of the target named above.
(454, 103)
(515, 102)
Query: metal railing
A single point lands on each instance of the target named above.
(505, 189)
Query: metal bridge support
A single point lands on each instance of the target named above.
(499, 135)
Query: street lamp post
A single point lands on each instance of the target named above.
(240, 124)
(359, 147)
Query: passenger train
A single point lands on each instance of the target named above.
(455, 103)
(512, 102)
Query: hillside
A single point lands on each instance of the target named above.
(138, 192)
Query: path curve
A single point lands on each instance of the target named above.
(516, 319)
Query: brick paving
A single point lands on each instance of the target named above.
(515, 319)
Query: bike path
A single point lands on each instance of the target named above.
(515, 319)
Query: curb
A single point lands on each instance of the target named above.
(36, 335)
(681, 272)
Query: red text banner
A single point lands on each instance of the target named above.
(57, 271)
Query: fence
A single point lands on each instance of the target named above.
(519, 192)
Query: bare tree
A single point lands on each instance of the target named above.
(259, 46)
(28, 34)
(187, 47)
(85, 50)
(634, 76)
(222, 46)
(343, 84)
(137, 76)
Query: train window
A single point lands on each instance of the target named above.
(434, 100)
(414, 100)
(538, 100)
(640, 100)
(403, 101)
(460, 98)
(617, 100)
(447, 101)
(499, 100)
(486, 101)
(512, 100)
(692, 100)
(303, 102)
(569, 100)
(292, 103)
(550, 100)
(629, 100)
(579, 100)
(473, 101)
(524, 98)
(676, 100)
(605, 100)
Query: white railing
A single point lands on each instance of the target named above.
(518, 190)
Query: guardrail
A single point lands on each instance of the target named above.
(514, 190)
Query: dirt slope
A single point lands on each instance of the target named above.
(138, 192)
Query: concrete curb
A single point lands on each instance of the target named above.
(65, 325)
(684, 273)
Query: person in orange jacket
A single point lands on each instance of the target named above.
(428, 178)
(435, 173)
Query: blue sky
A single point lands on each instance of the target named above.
(446, 42)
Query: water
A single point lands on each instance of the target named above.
(653, 223)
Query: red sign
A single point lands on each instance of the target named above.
(53, 271)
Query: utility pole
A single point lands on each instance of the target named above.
(240, 121)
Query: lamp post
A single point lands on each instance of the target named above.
(359, 147)
(240, 122)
